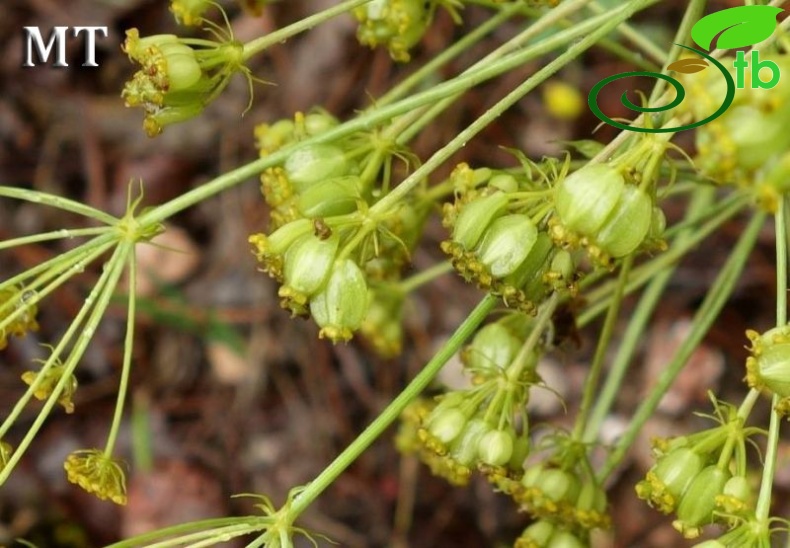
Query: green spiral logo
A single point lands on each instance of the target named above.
(732, 28)
(680, 95)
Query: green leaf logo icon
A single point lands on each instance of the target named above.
(739, 27)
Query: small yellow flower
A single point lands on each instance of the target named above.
(97, 473)
(24, 321)
(49, 380)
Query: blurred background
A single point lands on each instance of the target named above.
(229, 395)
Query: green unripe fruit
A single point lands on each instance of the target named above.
(495, 447)
(565, 539)
(183, 70)
(628, 224)
(506, 244)
(539, 533)
(585, 199)
(677, 469)
(475, 217)
(520, 452)
(280, 241)
(447, 425)
(558, 485)
(492, 349)
(769, 365)
(465, 447)
(504, 182)
(311, 164)
(340, 307)
(308, 263)
(698, 502)
(331, 197)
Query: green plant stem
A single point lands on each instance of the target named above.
(365, 122)
(521, 360)
(769, 464)
(62, 234)
(281, 35)
(425, 276)
(128, 346)
(429, 69)
(58, 202)
(417, 120)
(714, 301)
(638, 38)
(95, 306)
(61, 272)
(213, 527)
(615, 17)
(394, 409)
(604, 338)
(637, 324)
(598, 297)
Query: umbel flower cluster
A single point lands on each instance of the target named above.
(338, 259)
(702, 478)
(527, 235)
(178, 77)
(747, 146)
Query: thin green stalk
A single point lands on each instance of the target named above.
(538, 327)
(394, 409)
(281, 35)
(605, 337)
(769, 464)
(615, 17)
(598, 297)
(636, 327)
(61, 234)
(693, 13)
(21, 404)
(96, 303)
(364, 122)
(128, 345)
(714, 301)
(425, 276)
(212, 525)
(58, 202)
(57, 261)
(430, 68)
(637, 37)
(61, 275)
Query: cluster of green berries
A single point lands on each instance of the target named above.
(178, 77)
(702, 478)
(748, 145)
(17, 313)
(335, 260)
(560, 490)
(484, 427)
(498, 237)
(601, 209)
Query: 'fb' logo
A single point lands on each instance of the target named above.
(736, 28)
